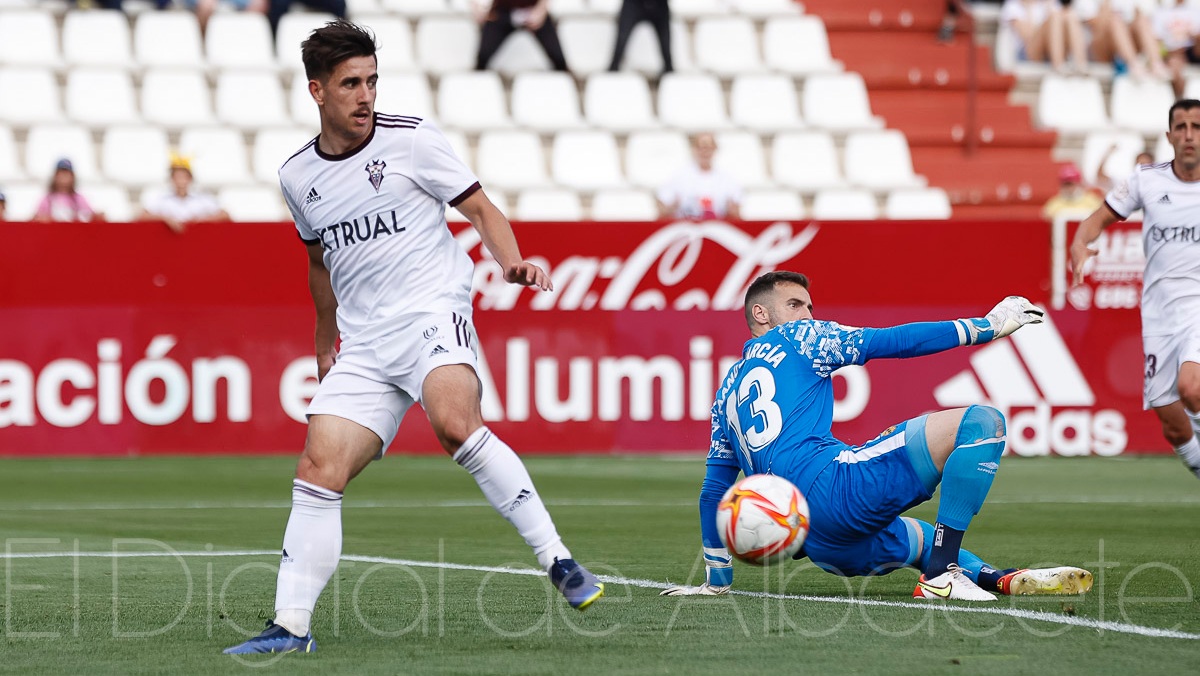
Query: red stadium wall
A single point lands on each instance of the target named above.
(127, 339)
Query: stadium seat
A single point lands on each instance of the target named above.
(39, 100)
(304, 108)
(644, 55)
(919, 204)
(497, 197)
(294, 28)
(272, 147)
(653, 157)
(798, 45)
(135, 155)
(96, 38)
(727, 46)
(218, 155)
(359, 10)
(28, 38)
(740, 154)
(606, 7)
(47, 143)
(472, 101)
(447, 44)
(100, 96)
(694, 9)
(838, 102)
(1141, 106)
(110, 200)
(520, 53)
(253, 203)
(510, 160)
(624, 205)
(1117, 165)
(460, 146)
(22, 200)
(880, 160)
(10, 166)
(771, 205)
(1163, 151)
(691, 102)
(768, 9)
(806, 161)
(402, 94)
(239, 40)
(586, 160)
(416, 8)
(619, 102)
(845, 205)
(546, 101)
(396, 44)
(1071, 104)
(176, 98)
(167, 39)
(249, 99)
(588, 43)
(766, 103)
(562, 8)
(548, 204)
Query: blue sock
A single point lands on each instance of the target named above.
(947, 543)
(966, 479)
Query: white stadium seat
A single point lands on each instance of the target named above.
(218, 155)
(588, 43)
(838, 102)
(176, 98)
(460, 146)
(546, 101)
(624, 205)
(653, 157)
(170, 38)
(252, 203)
(548, 204)
(768, 9)
(727, 46)
(135, 155)
(740, 154)
(919, 204)
(110, 200)
(806, 161)
(1117, 165)
(250, 99)
(845, 205)
(691, 102)
(22, 200)
(586, 160)
(880, 160)
(96, 38)
(561, 8)
(396, 43)
(765, 103)
(693, 9)
(39, 99)
(447, 44)
(416, 8)
(510, 160)
(1071, 104)
(272, 147)
(1163, 151)
(239, 40)
(519, 53)
(798, 45)
(643, 53)
(401, 94)
(304, 108)
(10, 166)
(1141, 106)
(100, 96)
(472, 101)
(28, 38)
(359, 10)
(47, 143)
(294, 28)
(771, 205)
(618, 102)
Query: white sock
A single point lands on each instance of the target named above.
(1190, 452)
(312, 545)
(1195, 421)
(502, 477)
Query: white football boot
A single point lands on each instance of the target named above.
(951, 585)
(1049, 581)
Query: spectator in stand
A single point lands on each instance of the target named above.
(1045, 30)
(698, 191)
(1105, 183)
(3, 205)
(63, 202)
(181, 204)
(1176, 26)
(1120, 32)
(502, 17)
(277, 8)
(1072, 195)
(633, 12)
(204, 8)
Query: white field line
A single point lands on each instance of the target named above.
(1034, 615)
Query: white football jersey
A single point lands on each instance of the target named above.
(1171, 241)
(379, 212)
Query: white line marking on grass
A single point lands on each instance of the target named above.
(1035, 615)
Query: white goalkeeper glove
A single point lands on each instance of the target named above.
(1009, 315)
(718, 570)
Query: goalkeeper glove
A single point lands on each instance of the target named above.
(1009, 315)
(718, 568)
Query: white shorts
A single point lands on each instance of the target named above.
(1165, 355)
(374, 384)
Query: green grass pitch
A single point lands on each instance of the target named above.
(176, 560)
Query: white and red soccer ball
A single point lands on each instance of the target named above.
(763, 519)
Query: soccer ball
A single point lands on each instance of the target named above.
(763, 519)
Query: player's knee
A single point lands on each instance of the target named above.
(1177, 434)
(322, 473)
(453, 434)
(1189, 394)
(980, 423)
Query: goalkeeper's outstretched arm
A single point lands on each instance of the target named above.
(922, 338)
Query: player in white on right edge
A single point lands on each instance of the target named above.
(1169, 195)
(368, 196)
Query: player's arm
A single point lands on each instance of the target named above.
(921, 338)
(499, 239)
(326, 304)
(1087, 233)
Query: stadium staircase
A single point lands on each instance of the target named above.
(921, 87)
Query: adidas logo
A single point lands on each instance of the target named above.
(1032, 377)
(1164, 200)
(312, 197)
(438, 349)
(521, 499)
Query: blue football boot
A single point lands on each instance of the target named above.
(275, 639)
(576, 583)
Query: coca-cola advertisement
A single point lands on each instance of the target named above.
(132, 340)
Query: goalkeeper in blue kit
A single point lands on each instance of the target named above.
(773, 414)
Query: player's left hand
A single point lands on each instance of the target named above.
(528, 274)
(1011, 314)
(703, 590)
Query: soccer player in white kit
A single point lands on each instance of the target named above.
(368, 198)
(1169, 195)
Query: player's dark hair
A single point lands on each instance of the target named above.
(333, 43)
(765, 285)
(1181, 104)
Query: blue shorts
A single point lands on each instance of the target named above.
(856, 501)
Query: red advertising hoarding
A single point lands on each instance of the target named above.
(128, 339)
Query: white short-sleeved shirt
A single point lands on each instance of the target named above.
(699, 194)
(1171, 241)
(194, 206)
(1035, 11)
(379, 213)
(1176, 25)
